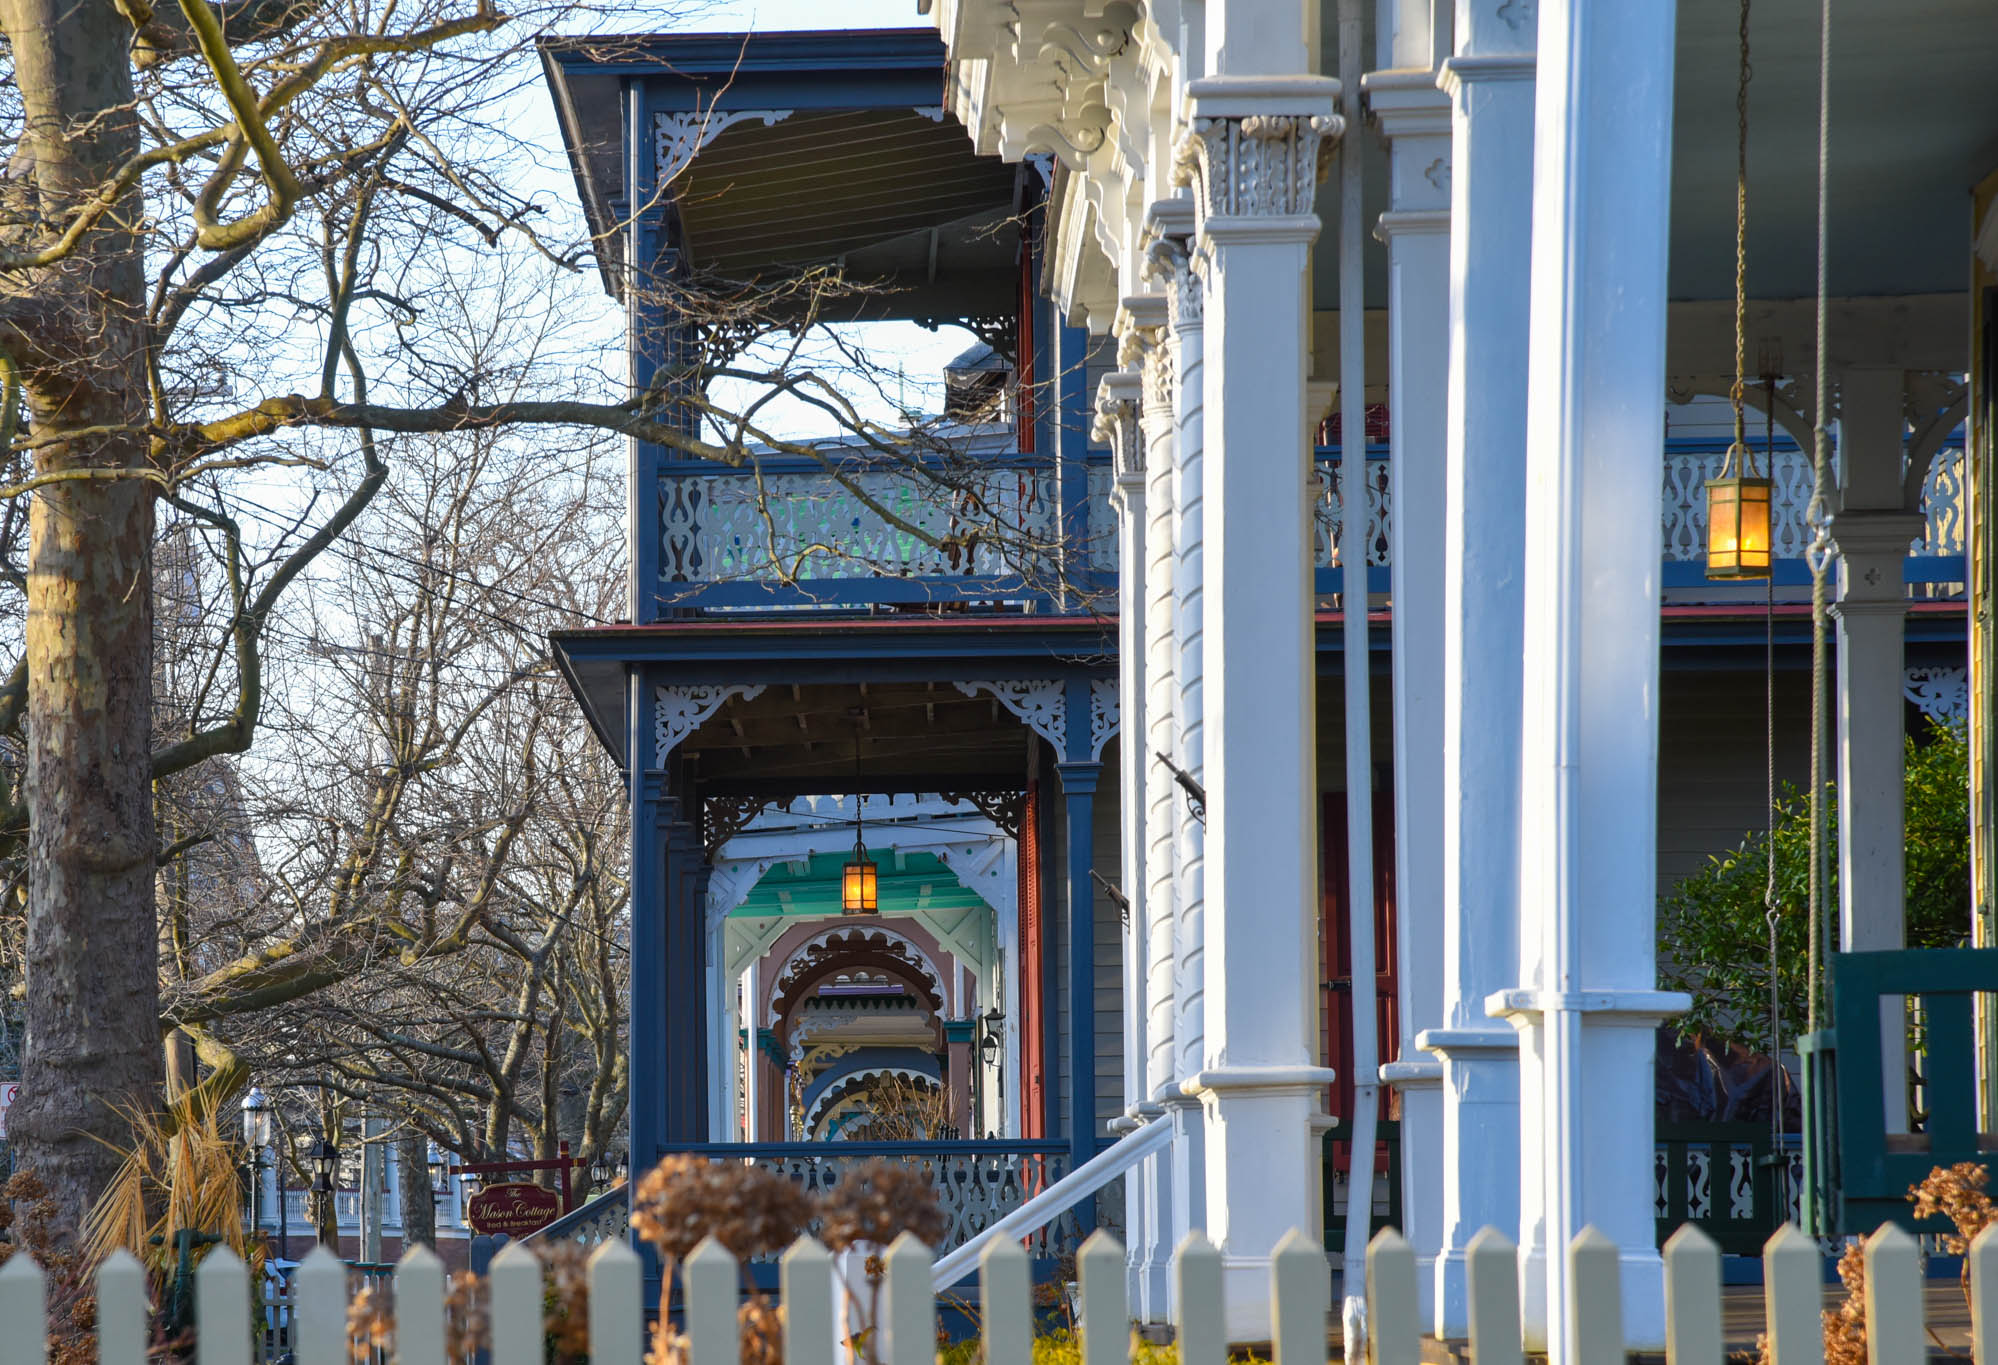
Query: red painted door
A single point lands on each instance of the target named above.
(1337, 989)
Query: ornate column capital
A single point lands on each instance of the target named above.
(1256, 147)
(1117, 397)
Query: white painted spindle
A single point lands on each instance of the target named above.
(222, 1309)
(909, 1335)
(1596, 1301)
(617, 1309)
(1300, 1298)
(805, 1279)
(1202, 1322)
(514, 1307)
(1792, 1291)
(319, 1310)
(1005, 1300)
(1984, 1297)
(419, 1308)
(1106, 1314)
(21, 1301)
(1393, 1309)
(1894, 1296)
(121, 1310)
(1692, 1298)
(1491, 1284)
(708, 1281)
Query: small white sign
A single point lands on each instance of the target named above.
(8, 1090)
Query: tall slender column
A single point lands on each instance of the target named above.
(1589, 1004)
(1490, 80)
(1252, 151)
(1171, 222)
(1414, 116)
(1148, 314)
(1117, 396)
(1872, 533)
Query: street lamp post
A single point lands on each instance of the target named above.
(325, 1159)
(256, 1137)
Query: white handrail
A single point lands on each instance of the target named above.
(1057, 1199)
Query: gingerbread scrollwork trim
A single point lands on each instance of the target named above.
(1943, 693)
(1041, 702)
(679, 138)
(679, 711)
(1104, 713)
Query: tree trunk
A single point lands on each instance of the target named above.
(419, 1206)
(76, 332)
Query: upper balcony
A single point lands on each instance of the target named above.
(1032, 533)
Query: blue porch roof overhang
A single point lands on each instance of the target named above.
(793, 149)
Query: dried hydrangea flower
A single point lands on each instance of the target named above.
(877, 1201)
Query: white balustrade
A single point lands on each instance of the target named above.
(717, 527)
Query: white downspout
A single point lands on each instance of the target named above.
(1359, 700)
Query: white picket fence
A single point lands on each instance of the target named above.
(816, 1323)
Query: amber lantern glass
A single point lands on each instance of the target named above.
(1737, 522)
(860, 885)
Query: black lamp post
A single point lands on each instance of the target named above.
(325, 1160)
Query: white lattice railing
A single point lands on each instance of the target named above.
(823, 1316)
(1685, 520)
(729, 525)
(718, 527)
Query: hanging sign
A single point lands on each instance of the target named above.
(515, 1209)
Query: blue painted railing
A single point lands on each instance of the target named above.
(790, 534)
(977, 1182)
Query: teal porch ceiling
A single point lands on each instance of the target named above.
(910, 882)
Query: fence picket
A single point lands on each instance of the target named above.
(514, 1292)
(21, 1306)
(222, 1309)
(1984, 1297)
(419, 1308)
(707, 1282)
(1196, 1268)
(1005, 1303)
(1692, 1298)
(1106, 1316)
(1893, 1296)
(1792, 1292)
(121, 1310)
(319, 1310)
(1300, 1299)
(910, 1335)
(1394, 1324)
(1491, 1283)
(1596, 1313)
(617, 1305)
(805, 1280)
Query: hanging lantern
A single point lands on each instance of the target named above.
(860, 884)
(1738, 520)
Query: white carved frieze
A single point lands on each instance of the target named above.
(1256, 165)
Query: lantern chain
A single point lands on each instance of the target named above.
(1736, 394)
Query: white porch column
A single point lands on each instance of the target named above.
(1490, 78)
(1117, 396)
(1172, 223)
(1252, 152)
(1414, 116)
(1588, 1002)
(1872, 535)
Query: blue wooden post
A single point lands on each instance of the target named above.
(1079, 773)
(1072, 445)
(646, 333)
(648, 931)
(687, 1009)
